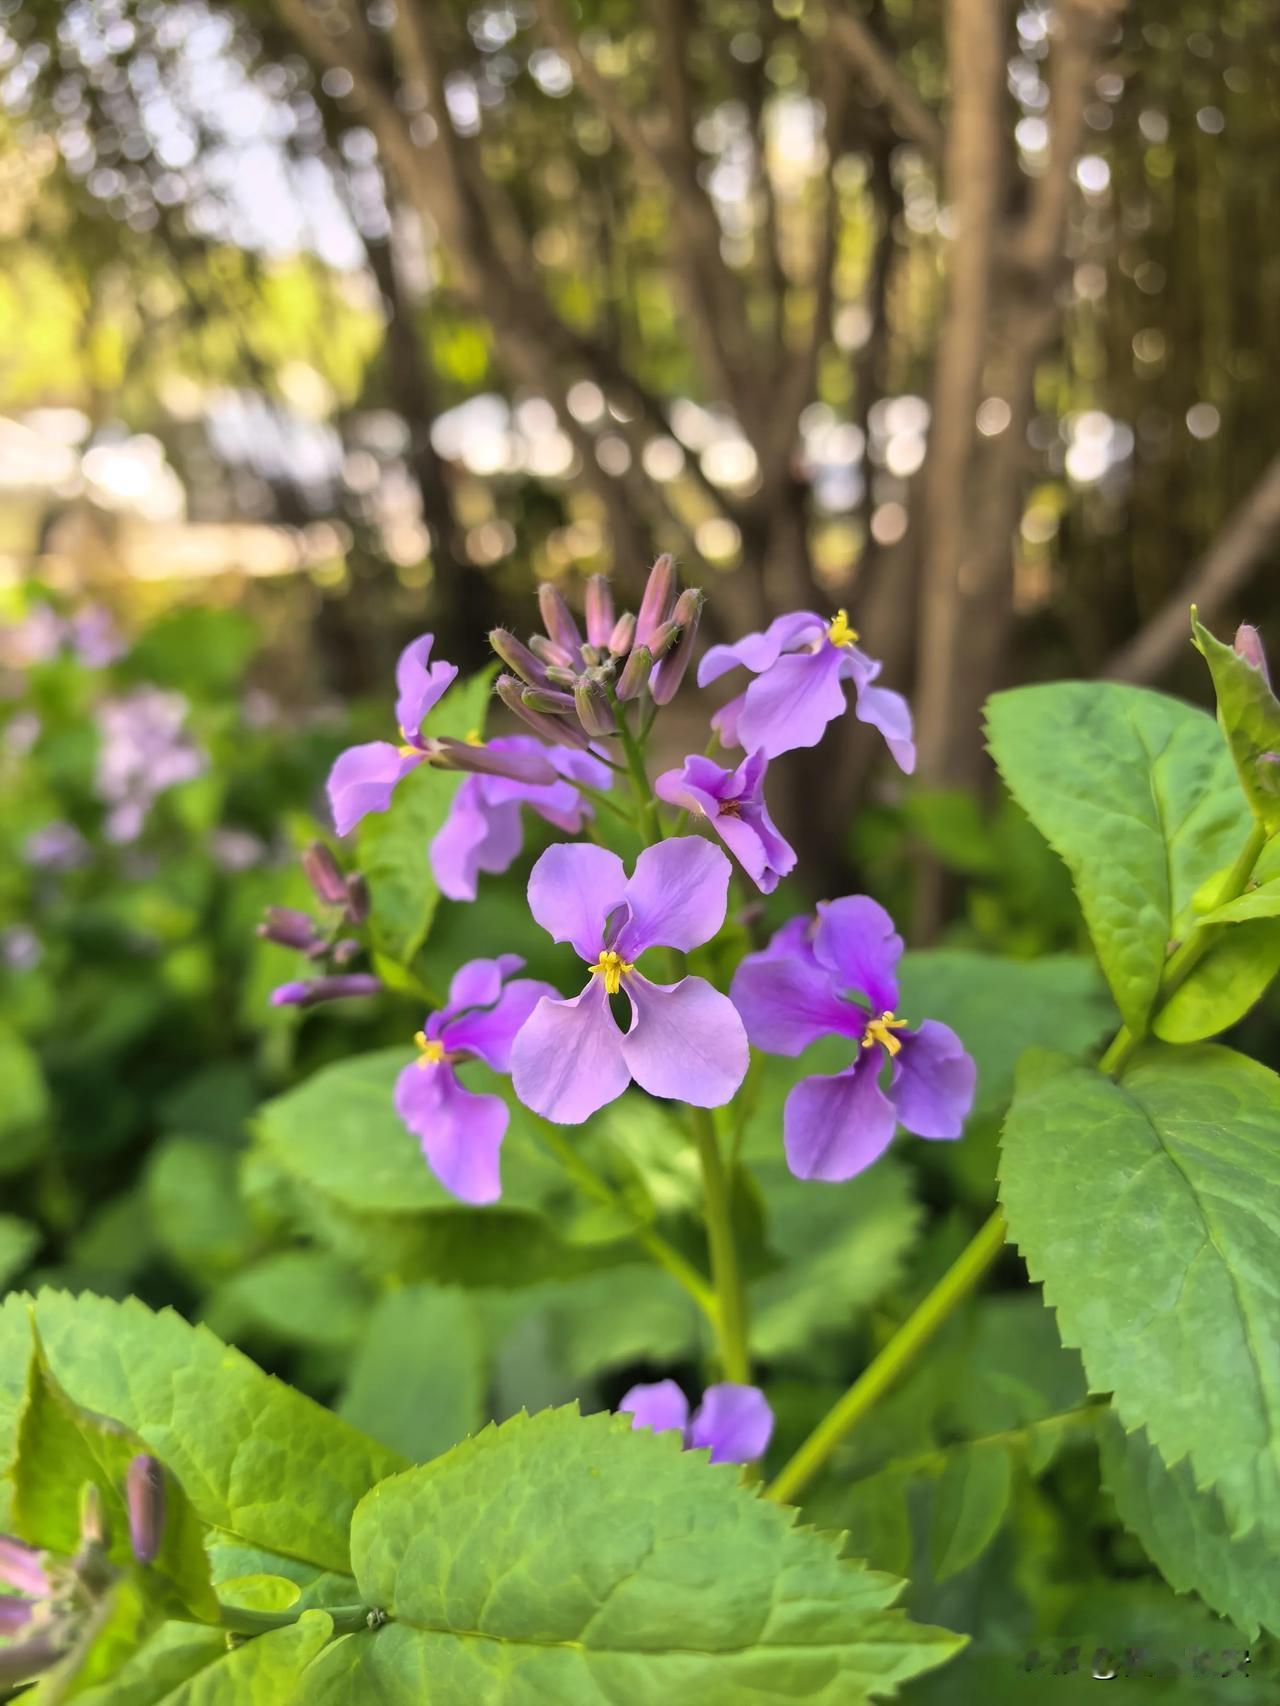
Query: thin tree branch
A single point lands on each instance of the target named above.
(872, 63)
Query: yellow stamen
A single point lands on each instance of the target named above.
(430, 1052)
(881, 1031)
(407, 751)
(612, 968)
(473, 737)
(839, 632)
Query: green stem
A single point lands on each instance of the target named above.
(731, 1314)
(915, 1332)
(239, 1620)
(598, 1188)
(600, 798)
(645, 801)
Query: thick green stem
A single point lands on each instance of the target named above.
(731, 1315)
(599, 1189)
(631, 751)
(347, 1619)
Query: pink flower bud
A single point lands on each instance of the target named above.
(145, 1497)
(549, 653)
(659, 594)
(557, 729)
(1248, 645)
(517, 656)
(599, 612)
(669, 671)
(290, 929)
(321, 870)
(623, 636)
(561, 628)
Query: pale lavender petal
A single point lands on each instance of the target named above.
(661, 1406)
(686, 1041)
(792, 704)
(726, 720)
(889, 712)
(572, 890)
(363, 780)
(756, 845)
(734, 1421)
(479, 982)
(418, 686)
(582, 767)
(490, 1032)
(476, 836)
(758, 652)
(677, 894)
(690, 788)
(567, 1060)
(859, 946)
(788, 1001)
(20, 1568)
(933, 1081)
(833, 1128)
(792, 939)
(460, 1133)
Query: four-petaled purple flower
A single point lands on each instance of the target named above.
(684, 1040)
(797, 990)
(483, 831)
(364, 778)
(460, 1130)
(732, 801)
(733, 1422)
(801, 662)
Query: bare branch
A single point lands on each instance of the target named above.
(1245, 543)
(872, 63)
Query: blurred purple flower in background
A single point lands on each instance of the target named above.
(56, 847)
(95, 638)
(797, 990)
(801, 663)
(733, 1422)
(37, 638)
(732, 802)
(144, 750)
(684, 1039)
(461, 1131)
(20, 948)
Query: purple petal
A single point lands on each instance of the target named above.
(490, 1032)
(698, 786)
(479, 982)
(341, 987)
(788, 1001)
(792, 704)
(889, 712)
(735, 1422)
(20, 1568)
(572, 890)
(859, 946)
(833, 1128)
(678, 894)
(726, 720)
(417, 686)
(755, 843)
(460, 1133)
(566, 1060)
(582, 767)
(661, 1406)
(933, 1081)
(476, 836)
(686, 1041)
(758, 652)
(15, 1614)
(363, 780)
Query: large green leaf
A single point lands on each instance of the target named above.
(969, 1505)
(1150, 1210)
(393, 844)
(178, 1667)
(1185, 1533)
(1261, 899)
(1250, 718)
(417, 1377)
(574, 1560)
(258, 1460)
(1237, 971)
(1139, 796)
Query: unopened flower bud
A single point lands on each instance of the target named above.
(669, 671)
(20, 1568)
(635, 674)
(558, 620)
(357, 899)
(598, 603)
(550, 700)
(517, 656)
(93, 1518)
(491, 761)
(558, 729)
(342, 953)
(549, 653)
(594, 711)
(144, 1493)
(662, 639)
(659, 593)
(319, 989)
(623, 636)
(321, 870)
(558, 677)
(1248, 645)
(290, 929)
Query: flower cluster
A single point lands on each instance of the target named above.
(330, 950)
(144, 750)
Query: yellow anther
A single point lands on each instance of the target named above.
(612, 968)
(430, 1051)
(473, 737)
(881, 1031)
(839, 632)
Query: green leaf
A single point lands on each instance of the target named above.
(24, 1107)
(1186, 1535)
(304, 1297)
(61, 1447)
(19, 1241)
(393, 844)
(111, 1634)
(175, 1669)
(569, 1559)
(259, 1461)
(1138, 795)
(1150, 1210)
(417, 1378)
(970, 1504)
(1249, 715)
(1236, 972)
(197, 1214)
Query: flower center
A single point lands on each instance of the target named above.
(730, 808)
(881, 1031)
(839, 632)
(430, 1051)
(611, 967)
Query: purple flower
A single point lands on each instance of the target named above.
(21, 1568)
(483, 831)
(364, 778)
(798, 990)
(95, 639)
(733, 1422)
(56, 847)
(144, 750)
(732, 801)
(684, 1040)
(460, 1131)
(801, 663)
